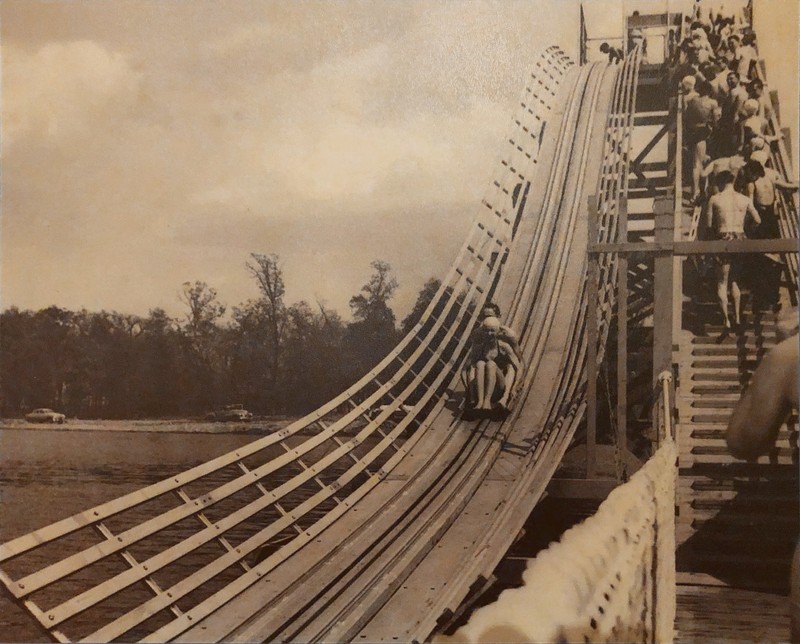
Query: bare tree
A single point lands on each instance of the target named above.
(204, 311)
(268, 274)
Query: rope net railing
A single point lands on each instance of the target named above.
(151, 563)
(611, 578)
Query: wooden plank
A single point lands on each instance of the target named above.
(650, 118)
(592, 339)
(504, 531)
(663, 291)
(596, 488)
(709, 611)
(621, 436)
(722, 247)
(784, 245)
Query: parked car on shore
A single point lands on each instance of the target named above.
(44, 415)
(230, 413)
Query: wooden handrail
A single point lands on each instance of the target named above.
(711, 247)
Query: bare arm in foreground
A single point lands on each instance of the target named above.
(754, 425)
(765, 405)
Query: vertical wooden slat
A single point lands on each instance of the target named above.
(663, 211)
(582, 36)
(622, 342)
(677, 269)
(591, 332)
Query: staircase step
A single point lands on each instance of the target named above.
(719, 434)
(644, 193)
(750, 568)
(722, 533)
(693, 459)
(706, 447)
(711, 419)
(741, 470)
(716, 389)
(695, 487)
(744, 503)
(724, 363)
(740, 520)
(724, 350)
(732, 340)
(771, 546)
(726, 392)
(720, 377)
(780, 487)
(714, 403)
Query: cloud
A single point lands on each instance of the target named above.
(330, 133)
(64, 89)
(324, 140)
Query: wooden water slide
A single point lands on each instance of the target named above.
(375, 517)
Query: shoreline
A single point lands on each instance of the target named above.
(187, 426)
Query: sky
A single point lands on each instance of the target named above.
(147, 143)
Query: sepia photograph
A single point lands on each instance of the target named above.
(391, 321)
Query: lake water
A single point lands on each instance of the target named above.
(48, 474)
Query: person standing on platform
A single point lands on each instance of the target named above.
(753, 126)
(747, 57)
(729, 123)
(710, 173)
(719, 83)
(757, 91)
(615, 54)
(687, 88)
(700, 118)
(728, 211)
(762, 188)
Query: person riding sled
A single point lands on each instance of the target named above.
(493, 371)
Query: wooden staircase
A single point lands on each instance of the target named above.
(737, 522)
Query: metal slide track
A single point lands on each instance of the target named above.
(371, 518)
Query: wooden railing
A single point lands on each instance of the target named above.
(607, 274)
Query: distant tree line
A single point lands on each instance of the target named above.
(273, 357)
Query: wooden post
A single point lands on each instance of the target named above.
(582, 58)
(676, 143)
(664, 214)
(593, 278)
(622, 342)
